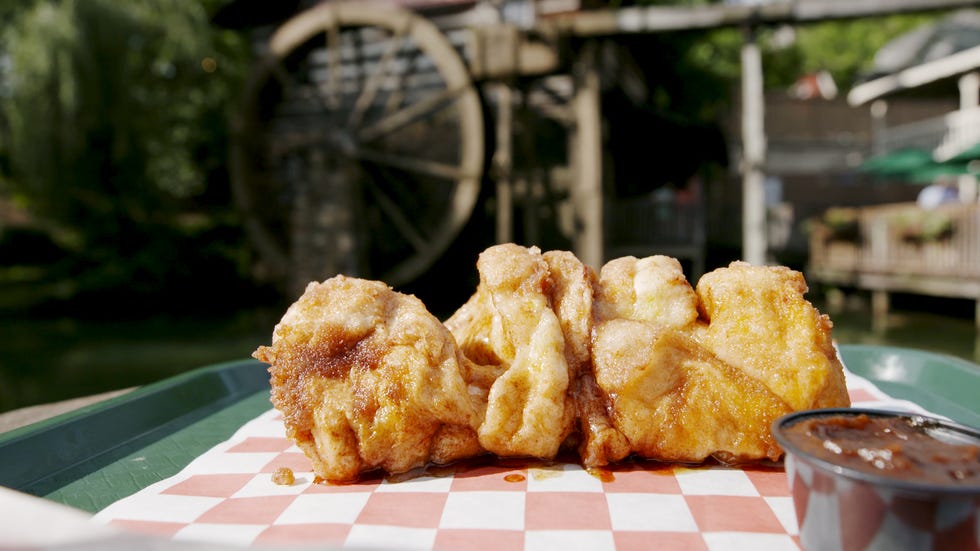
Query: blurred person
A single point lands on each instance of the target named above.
(937, 193)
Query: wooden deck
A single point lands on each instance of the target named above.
(900, 248)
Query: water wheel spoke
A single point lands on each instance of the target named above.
(334, 65)
(398, 217)
(408, 115)
(425, 167)
(397, 95)
(279, 73)
(370, 91)
(365, 86)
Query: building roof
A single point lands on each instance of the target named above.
(915, 76)
(929, 53)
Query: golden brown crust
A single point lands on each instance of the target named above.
(699, 374)
(548, 354)
(677, 402)
(529, 412)
(758, 320)
(367, 378)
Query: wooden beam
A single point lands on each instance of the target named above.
(754, 246)
(586, 150)
(502, 162)
(649, 19)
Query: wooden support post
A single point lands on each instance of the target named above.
(586, 151)
(503, 164)
(836, 300)
(753, 153)
(969, 87)
(879, 126)
(879, 310)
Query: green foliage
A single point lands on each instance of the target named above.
(115, 126)
(922, 226)
(706, 65)
(105, 96)
(842, 224)
(713, 61)
(846, 49)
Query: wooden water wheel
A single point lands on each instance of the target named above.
(359, 148)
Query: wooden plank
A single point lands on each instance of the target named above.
(649, 19)
(586, 151)
(930, 285)
(502, 163)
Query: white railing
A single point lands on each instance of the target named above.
(925, 134)
(946, 136)
(901, 240)
(962, 133)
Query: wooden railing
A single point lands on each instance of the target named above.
(899, 248)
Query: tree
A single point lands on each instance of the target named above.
(115, 120)
(846, 49)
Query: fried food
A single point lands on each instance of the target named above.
(698, 374)
(510, 325)
(651, 289)
(521, 292)
(574, 284)
(546, 355)
(675, 401)
(367, 378)
(757, 319)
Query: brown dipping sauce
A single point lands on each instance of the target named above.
(896, 447)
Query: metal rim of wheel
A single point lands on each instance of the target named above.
(368, 129)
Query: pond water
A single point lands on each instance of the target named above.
(935, 324)
(50, 359)
(44, 360)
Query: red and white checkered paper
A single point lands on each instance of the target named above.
(227, 496)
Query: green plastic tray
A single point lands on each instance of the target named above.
(940, 383)
(94, 456)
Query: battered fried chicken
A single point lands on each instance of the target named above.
(598, 441)
(651, 289)
(547, 354)
(757, 319)
(675, 401)
(521, 292)
(509, 325)
(367, 378)
(685, 387)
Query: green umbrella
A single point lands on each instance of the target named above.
(928, 173)
(969, 154)
(898, 162)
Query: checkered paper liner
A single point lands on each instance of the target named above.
(227, 496)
